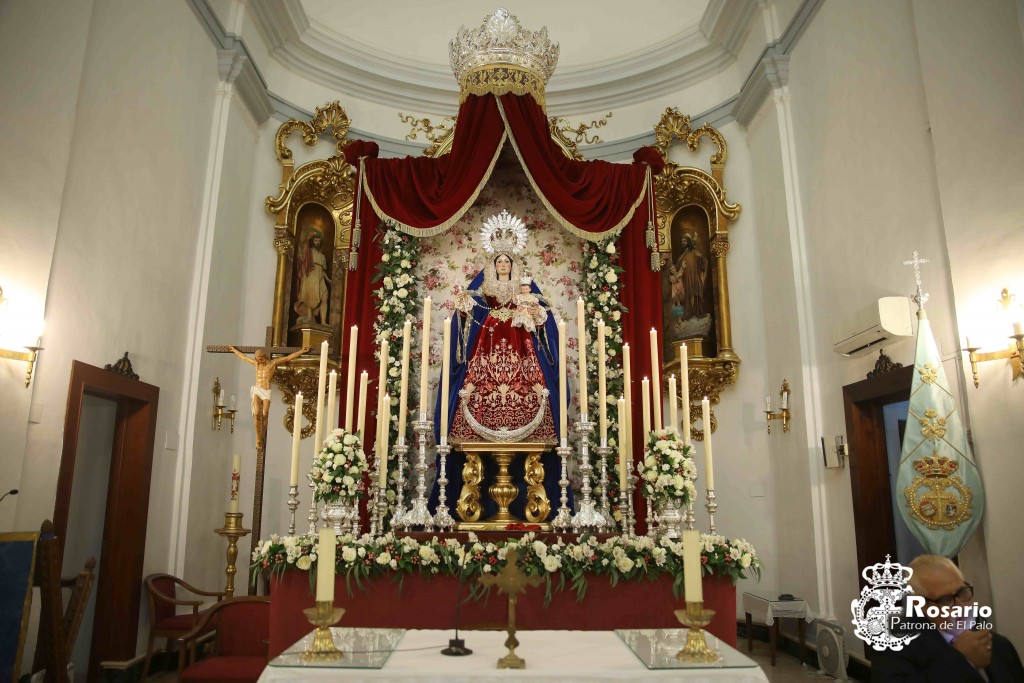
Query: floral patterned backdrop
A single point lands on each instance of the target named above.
(552, 256)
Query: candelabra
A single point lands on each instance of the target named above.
(695, 618)
(711, 506)
(293, 505)
(380, 511)
(401, 452)
(630, 516)
(563, 520)
(587, 516)
(606, 511)
(232, 530)
(442, 516)
(418, 514)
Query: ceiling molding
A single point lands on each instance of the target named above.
(337, 62)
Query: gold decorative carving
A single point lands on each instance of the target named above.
(468, 507)
(501, 79)
(283, 242)
(538, 507)
(692, 236)
(937, 497)
(430, 131)
(561, 129)
(331, 116)
(292, 378)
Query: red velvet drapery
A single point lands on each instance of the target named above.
(426, 196)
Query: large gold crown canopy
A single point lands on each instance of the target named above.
(501, 57)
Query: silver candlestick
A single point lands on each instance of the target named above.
(313, 517)
(689, 519)
(293, 505)
(442, 516)
(606, 511)
(381, 503)
(711, 506)
(624, 511)
(653, 519)
(587, 516)
(563, 520)
(631, 517)
(418, 514)
(401, 453)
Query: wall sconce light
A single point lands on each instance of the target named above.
(836, 457)
(782, 414)
(29, 355)
(1015, 350)
(221, 411)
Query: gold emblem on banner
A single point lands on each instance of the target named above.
(937, 497)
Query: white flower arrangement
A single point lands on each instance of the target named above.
(667, 470)
(337, 472)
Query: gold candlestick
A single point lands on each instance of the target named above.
(323, 616)
(695, 618)
(232, 530)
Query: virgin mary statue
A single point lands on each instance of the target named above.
(504, 365)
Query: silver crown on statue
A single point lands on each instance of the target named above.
(502, 40)
(503, 233)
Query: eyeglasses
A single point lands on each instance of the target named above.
(964, 594)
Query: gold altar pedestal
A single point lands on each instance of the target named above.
(503, 491)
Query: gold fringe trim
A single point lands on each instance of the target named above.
(443, 227)
(499, 79)
(582, 234)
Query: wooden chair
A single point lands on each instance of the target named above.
(58, 627)
(164, 621)
(240, 649)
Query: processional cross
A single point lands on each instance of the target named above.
(919, 297)
(513, 582)
(265, 368)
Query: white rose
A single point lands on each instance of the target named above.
(384, 558)
(611, 277)
(403, 292)
(406, 264)
(487, 569)
(624, 564)
(304, 563)
(350, 439)
(540, 548)
(616, 315)
(745, 560)
(361, 551)
(610, 249)
(593, 262)
(349, 554)
(393, 372)
(388, 282)
(552, 563)
(348, 481)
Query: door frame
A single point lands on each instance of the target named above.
(119, 579)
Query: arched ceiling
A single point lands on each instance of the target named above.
(612, 52)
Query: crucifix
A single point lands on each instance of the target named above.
(260, 393)
(919, 297)
(513, 582)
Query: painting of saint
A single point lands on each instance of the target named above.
(312, 277)
(687, 295)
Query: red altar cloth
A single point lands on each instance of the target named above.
(429, 603)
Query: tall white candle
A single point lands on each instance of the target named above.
(785, 400)
(350, 389)
(602, 397)
(296, 438)
(693, 590)
(382, 380)
(424, 355)
(627, 381)
(563, 407)
(581, 326)
(403, 397)
(623, 456)
(645, 400)
(220, 399)
(382, 456)
(332, 404)
(708, 465)
(325, 551)
(684, 370)
(768, 403)
(673, 409)
(321, 388)
(655, 379)
(364, 383)
(236, 480)
(1018, 329)
(445, 378)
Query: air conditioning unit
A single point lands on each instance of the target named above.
(881, 324)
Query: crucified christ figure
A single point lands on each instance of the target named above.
(260, 392)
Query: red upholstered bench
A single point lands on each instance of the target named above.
(240, 646)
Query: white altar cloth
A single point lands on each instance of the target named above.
(550, 656)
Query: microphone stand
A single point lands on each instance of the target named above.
(12, 492)
(457, 646)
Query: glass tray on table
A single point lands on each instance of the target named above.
(656, 648)
(362, 648)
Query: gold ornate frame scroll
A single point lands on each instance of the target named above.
(317, 195)
(693, 217)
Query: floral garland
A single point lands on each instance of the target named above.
(668, 471)
(336, 474)
(620, 559)
(397, 298)
(602, 296)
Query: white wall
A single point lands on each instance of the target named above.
(972, 61)
(37, 124)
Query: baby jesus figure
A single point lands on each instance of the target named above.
(528, 311)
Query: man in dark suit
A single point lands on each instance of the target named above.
(968, 655)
